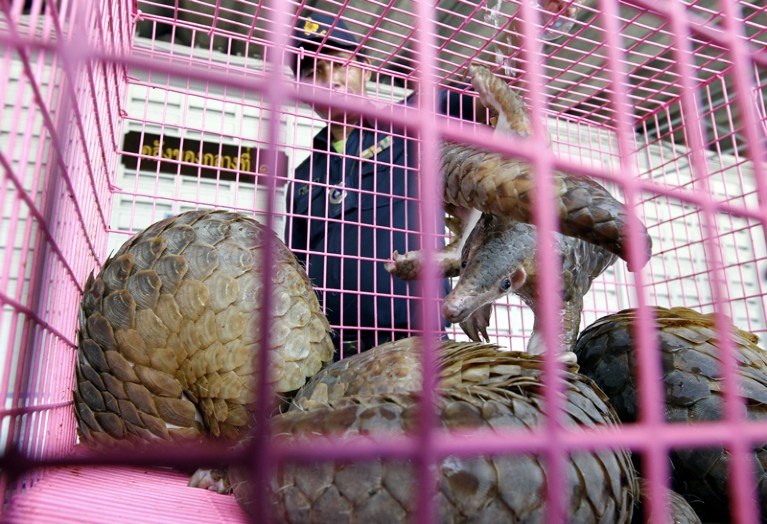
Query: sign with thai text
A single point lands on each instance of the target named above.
(205, 159)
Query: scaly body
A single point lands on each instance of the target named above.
(499, 255)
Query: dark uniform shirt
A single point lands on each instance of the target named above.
(348, 214)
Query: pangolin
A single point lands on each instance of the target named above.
(690, 355)
(168, 333)
(373, 395)
(499, 257)
(492, 183)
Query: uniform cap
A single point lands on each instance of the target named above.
(319, 30)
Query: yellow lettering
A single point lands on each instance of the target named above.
(244, 162)
(209, 159)
(170, 153)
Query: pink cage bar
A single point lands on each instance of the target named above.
(117, 114)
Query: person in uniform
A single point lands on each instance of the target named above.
(354, 200)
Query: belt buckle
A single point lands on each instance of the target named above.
(351, 347)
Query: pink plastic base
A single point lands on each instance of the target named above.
(120, 495)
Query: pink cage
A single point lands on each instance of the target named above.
(663, 102)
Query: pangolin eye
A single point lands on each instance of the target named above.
(505, 284)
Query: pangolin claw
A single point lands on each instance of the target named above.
(410, 265)
(406, 267)
(211, 479)
(568, 358)
(477, 323)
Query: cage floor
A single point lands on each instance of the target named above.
(120, 495)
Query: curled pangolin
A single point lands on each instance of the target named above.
(168, 332)
(691, 357)
(373, 395)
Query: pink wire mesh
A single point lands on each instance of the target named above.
(662, 102)
(61, 124)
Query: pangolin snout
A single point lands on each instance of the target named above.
(455, 309)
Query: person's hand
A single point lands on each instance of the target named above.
(570, 7)
(562, 11)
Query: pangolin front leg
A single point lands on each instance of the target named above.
(460, 222)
